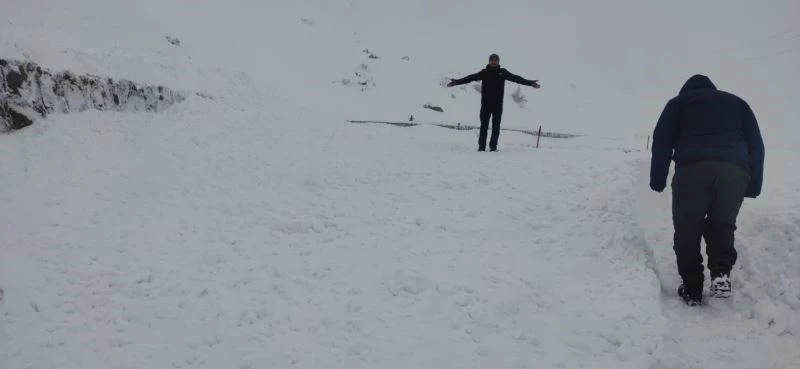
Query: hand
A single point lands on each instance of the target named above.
(752, 192)
(657, 187)
(535, 84)
(451, 84)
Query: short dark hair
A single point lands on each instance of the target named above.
(494, 57)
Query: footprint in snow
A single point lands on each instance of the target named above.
(405, 283)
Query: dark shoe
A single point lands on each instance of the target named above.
(481, 149)
(721, 286)
(692, 297)
(493, 149)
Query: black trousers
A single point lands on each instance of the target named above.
(706, 198)
(494, 111)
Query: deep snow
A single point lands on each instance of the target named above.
(257, 229)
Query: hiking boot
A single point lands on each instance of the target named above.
(721, 286)
(692, 297)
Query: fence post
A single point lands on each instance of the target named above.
(538, 136)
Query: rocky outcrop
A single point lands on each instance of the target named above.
(29, 92)
(434, 108)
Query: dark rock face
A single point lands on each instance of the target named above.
(173, 40)
(13, 119)
(434, 108)
(28, 92)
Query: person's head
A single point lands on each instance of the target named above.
(494, 60)
(697, 82)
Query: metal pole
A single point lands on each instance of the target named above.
(538, 136)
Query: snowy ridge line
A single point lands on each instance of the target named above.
(29, 92)
(459, 126)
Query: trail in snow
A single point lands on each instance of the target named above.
(760, 325)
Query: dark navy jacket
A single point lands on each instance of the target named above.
(703, 123)
(493, 80)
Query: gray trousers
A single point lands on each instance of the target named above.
(706, 198)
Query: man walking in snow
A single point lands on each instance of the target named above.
(714, 139)
(493, 79)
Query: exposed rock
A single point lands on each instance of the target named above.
(28, 92)
(370, 54)
(13, 119)
(173, 40)
(434, 108)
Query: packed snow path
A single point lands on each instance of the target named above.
(216, 237)
(759, 326)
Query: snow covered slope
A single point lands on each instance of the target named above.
(605, 67)
(257, 229)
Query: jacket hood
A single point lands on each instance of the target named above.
(698, 82)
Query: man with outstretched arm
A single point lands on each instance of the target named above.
(493, 79)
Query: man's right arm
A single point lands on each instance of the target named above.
(663, 146)
(467, 79)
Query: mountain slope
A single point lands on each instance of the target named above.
(255, 228)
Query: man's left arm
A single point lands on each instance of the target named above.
(517, 79)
